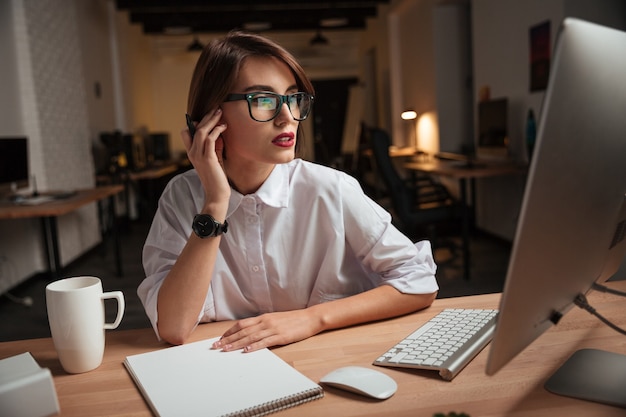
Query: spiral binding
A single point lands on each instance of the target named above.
(280, 404)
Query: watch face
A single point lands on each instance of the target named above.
(204, 226)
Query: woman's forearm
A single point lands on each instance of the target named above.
(376, 304)
(184, 289)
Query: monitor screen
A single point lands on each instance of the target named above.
(568, 233)
(492, 123)
(493, 139)
(13, 163)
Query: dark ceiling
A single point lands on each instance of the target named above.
(206, 16)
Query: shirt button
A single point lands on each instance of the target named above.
(255, 268)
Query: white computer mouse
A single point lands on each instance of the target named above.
(361, 380)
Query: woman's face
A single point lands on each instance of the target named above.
(248, 142)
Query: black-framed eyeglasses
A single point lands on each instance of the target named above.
(265, 105)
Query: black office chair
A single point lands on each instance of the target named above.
(421, 207)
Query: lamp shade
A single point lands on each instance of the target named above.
(195, 45)
(318, 39)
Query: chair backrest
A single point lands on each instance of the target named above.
(401, 198)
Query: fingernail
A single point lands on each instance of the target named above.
(218, 111)
(217, 345)
(247, 349)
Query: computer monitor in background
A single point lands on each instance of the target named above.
(160, 146)
(493, 136)
(13, 164)
(572, 226)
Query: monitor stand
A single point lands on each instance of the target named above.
(592, 375)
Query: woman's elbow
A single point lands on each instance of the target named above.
(430, 298)
(422, 301)
(175, 335)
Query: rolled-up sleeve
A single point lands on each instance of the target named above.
(408, 267)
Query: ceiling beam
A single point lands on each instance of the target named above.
(198, 16)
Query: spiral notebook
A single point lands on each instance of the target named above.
(195, 380)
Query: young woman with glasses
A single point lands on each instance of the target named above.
(284, 247)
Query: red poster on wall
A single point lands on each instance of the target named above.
(539, 56)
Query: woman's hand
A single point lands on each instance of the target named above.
(267, 330)
(205, 152)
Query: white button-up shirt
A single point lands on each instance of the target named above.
(308, 235)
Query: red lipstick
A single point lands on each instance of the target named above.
(285, 140)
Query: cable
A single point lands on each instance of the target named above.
(25, 301)
(581, 301)
(4, 271)
(603, 288)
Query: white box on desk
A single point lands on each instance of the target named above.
(26, 389)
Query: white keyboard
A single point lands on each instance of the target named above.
(446, 343)
(35, 201)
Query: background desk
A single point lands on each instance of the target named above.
(144, 187)
(462, 172)
(517, 390)
(50, 210)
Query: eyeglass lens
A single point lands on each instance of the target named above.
(265, 106)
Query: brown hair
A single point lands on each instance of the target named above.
(219, 64)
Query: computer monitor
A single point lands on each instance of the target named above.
(13, 164)
(572, 226)
(493, 136)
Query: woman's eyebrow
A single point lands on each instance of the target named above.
(260, 87)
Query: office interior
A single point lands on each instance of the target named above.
(76, 69)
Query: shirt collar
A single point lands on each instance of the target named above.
(273, 192)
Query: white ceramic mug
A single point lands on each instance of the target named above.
(77, 321)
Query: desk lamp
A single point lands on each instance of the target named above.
(411, 115)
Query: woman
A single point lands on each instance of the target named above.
(287, 248)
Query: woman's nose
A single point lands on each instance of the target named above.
(284, 115)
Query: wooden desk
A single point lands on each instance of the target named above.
(396, 152)
(154, 173)
(461, 171)
(50, 210)
(517, 390)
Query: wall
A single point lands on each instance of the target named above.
(10, 115)
(500, 54)
(172, 75)
(136, 84)
(96, 54)
(43, 64)
(412, 71)
(453, 66)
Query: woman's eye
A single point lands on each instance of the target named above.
(266, 103)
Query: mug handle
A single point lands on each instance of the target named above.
(119, 296)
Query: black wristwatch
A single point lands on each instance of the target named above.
(204, 225)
